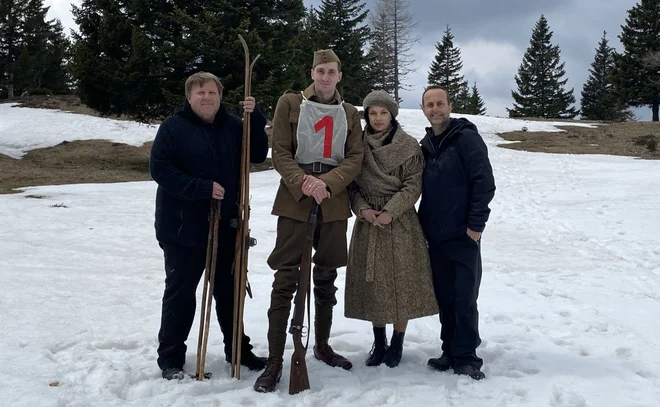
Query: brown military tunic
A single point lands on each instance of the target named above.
(293, 209)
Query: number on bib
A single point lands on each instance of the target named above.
(326, 122)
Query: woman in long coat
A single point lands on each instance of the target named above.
(388, 276)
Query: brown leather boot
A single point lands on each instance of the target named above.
(323, 352)
(268, 380)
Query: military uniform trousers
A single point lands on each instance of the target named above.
(330, 253)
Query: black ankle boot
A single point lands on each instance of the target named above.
(393, 355)
(379, 347)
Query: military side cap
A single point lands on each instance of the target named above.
(323, 56)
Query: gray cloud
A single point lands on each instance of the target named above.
(496, 34)
(493, 36)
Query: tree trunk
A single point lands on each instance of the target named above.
(397, 84)
(654, 109)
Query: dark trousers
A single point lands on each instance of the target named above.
(456, 266)
(184, 268)
(330, 253)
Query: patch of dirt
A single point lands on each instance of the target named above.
(88, 161)
(67, 103)
(77, 162)
(636, 139)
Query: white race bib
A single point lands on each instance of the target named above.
(322, 132)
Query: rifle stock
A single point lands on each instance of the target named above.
(299, 378)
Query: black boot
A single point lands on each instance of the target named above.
(379, 347)
(393, 354)
(469, 370)
(173, 373)
(268, 380)
(443, 363)
(253, 362)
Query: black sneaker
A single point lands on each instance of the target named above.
(443, 363)
(173, 373)
(469, 370)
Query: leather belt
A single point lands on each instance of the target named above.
(317, 167)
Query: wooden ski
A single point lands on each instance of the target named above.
(207, 293)
(243, 240)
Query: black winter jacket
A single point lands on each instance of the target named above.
(458, 182)
(187, 156)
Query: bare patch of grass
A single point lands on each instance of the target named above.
(636, 139)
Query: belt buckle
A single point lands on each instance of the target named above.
(317, 167)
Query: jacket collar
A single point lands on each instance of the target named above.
(310, 93)
(185, 111)
(454, 127)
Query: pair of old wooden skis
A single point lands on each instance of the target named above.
(243, 242)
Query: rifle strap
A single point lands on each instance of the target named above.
(309, 314)
(315, 208)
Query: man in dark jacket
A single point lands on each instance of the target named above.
(196, 157)
(457, 188)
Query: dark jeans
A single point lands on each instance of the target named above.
(184, 267)
(456, 266)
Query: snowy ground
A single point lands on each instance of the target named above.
(569, 301)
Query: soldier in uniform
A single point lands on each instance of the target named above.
(318, 151)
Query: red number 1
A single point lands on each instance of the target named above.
(328, 123)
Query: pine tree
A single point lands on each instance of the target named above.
(599, 101)
(101, 55)
(157, 44)
(381, 50)
(32, 49)
(541, 90)
(637, 74)
(302, 52)
(340, 26)
(446, 69)
(391, 44)
(29, 67)
(461, 102)
(475, 105)
(11, 32)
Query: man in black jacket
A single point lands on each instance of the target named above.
(195, 157)
(457, 188)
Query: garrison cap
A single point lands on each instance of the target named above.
(323, 56)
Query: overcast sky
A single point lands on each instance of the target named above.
(493, 36)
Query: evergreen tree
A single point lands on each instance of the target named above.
(58, 53)
(381, 50)
(475, 104)
(446, 69)
(599, 101)
(461, 102)
(29, 66)
(302, 53)
(340, 26)
(11, 32)
(156, 44)
(32, 49)
(101, 55)
(637, 74)
(270, 29)
(541, 90)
